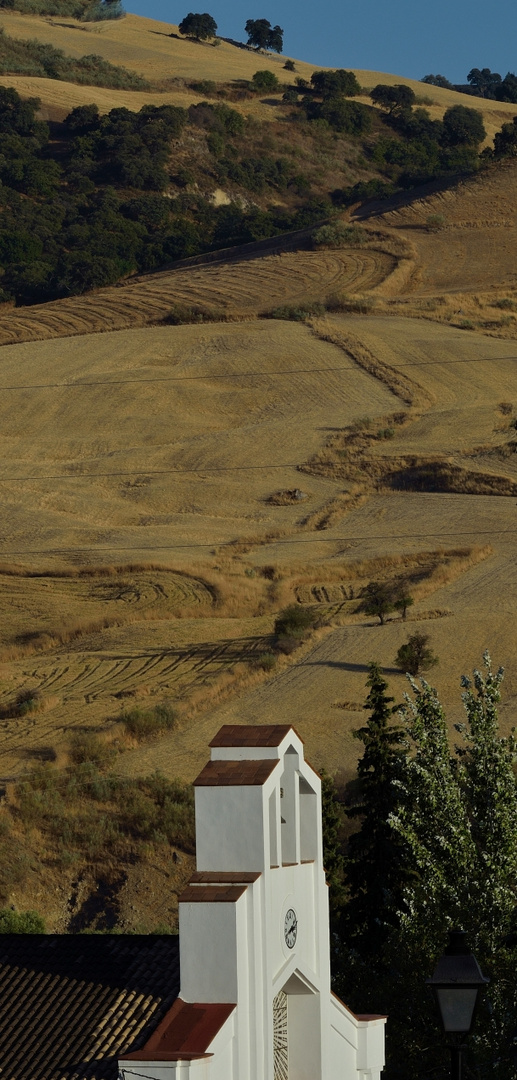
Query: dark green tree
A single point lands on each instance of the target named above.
(484, 82)
(374, 862)
(415, 655)
(333, 861)
(378, 600)
(403, 601)
(393, 98)
(332, 83)
(264, 80)
(200, 27)
(437, 80)
(462, 127)
(507, 91)
(264, 36)
(505, 140)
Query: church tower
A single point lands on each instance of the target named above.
(255, 1000)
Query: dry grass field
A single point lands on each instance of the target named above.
(151, 525)
(156, 51)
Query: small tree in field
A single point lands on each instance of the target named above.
(200, 27)
(415, 655)
(403, 602)
(378, 600)
(264, 36)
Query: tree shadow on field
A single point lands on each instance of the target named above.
(343, 665)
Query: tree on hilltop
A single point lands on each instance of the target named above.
(484, 81)
(437, 80)
(200, 27)
(264, 36)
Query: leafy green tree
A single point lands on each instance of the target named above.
(82, 119)
(403, 601)
(505, 140)
(507, 91)
(484, 82)
(342, 115)
(22, 922)
(393, 98)
(454, 818)
(378, 600)
(462, 127)
(415, 655)
(374, 859)
(437, 80)
(200, 27)
(335, 83)
(265, 80)
(264, 36)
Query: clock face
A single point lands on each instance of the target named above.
(290, 928)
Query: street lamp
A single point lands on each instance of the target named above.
(456, 982)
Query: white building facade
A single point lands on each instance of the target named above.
(255, 1000)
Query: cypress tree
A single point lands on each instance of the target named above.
(374, 860)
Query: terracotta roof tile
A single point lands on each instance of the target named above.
(209, 894)
(235, 773)
(252, 734)
(80, 1000)
(186, 1031)
(224, 877)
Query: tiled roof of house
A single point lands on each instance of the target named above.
(235, 773)
(251, 734)
(71, 1004)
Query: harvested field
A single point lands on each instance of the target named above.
(235, 288)
(92, 455)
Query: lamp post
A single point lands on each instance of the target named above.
(455, 983)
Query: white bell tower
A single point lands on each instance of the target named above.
(255, 1000)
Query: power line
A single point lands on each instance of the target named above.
(150, 472)
(245, 374)
(278, 543)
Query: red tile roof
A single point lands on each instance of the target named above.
(184, 1033)
(224, 877)
(235, 773)
(209, 894)
(252, 735)
(69, 1004)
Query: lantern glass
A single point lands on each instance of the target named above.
(457, 1004)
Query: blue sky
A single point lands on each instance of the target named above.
(406, 37)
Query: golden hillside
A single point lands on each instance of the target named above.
(167, 490)
(147, 47)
